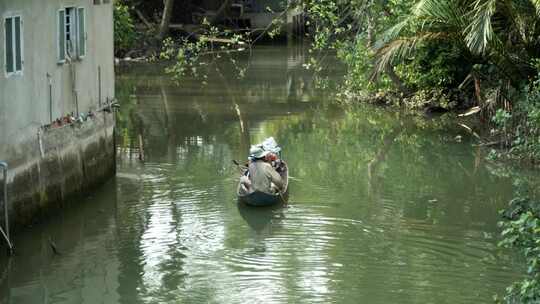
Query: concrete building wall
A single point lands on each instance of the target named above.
(25, 105)
(25, 98)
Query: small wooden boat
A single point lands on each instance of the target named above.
(258, 198)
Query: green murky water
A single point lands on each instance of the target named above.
(384, 207)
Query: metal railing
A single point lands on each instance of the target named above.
(5, 233)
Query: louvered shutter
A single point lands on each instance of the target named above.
(18, 43)
(61, 36)
(8, 25)
(81, 26)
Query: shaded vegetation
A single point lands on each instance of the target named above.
(522, 232)
(124, 28)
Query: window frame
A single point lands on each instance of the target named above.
(75, 34)
(12, 17)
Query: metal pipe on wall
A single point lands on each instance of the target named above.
(50, 97)
(99, 85)
(74, 83)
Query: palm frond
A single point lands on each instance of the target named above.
(427, 16)
(433, 8)
(401, 49)
(479, 33)
(536, 4)
(393, 33)
(524, 14)
(440, 11)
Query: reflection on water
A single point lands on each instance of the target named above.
(261, 220)
(384, 207)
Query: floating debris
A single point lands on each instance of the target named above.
(471, 111)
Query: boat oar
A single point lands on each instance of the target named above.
(282, 198)
(240, 167)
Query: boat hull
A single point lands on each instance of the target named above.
(261, 199)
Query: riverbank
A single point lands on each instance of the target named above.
(511, 136)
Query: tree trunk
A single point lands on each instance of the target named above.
(166, 18)
(143, 19)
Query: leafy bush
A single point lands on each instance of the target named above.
(521, 231)
(519, 126)
(124, 30)
(435, 65)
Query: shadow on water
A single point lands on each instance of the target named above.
(58, 255)
(260, 218)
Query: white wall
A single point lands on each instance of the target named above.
(24, 100)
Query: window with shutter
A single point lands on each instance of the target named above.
(13, 33)
(71, 34)
(70, 42)
(81, 18)
(18, 44)
(61, 36)
(9, 45)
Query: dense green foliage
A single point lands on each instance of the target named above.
(124, 29)
(433, 43)
(522, 232)
(519, 128)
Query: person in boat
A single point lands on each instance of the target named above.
(271, 145)
(262, 176)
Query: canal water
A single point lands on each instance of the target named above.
(384, 207)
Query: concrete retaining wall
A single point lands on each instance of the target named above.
(57, 163)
